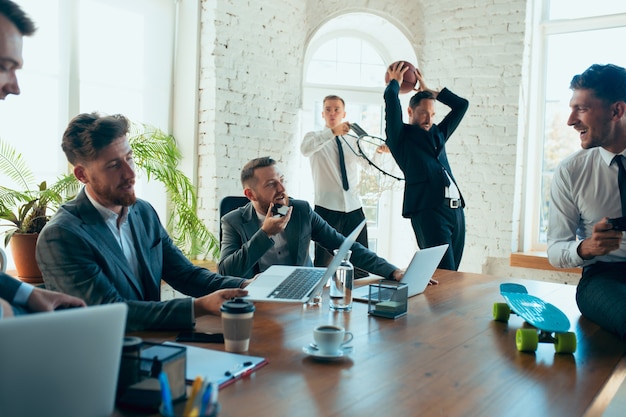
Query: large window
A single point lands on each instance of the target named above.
(572, 36)
(346, 60)
(112, 56)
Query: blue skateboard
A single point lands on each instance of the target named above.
(551, 324)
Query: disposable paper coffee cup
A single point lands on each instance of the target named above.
(237, 324)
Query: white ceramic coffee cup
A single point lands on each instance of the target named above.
(329, 338)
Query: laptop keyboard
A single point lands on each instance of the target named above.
(297, 284)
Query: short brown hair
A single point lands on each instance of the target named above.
(247, 172)
(333, 97)
(18, 17)
(88, 133)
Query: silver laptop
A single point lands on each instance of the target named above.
(63, 363)
(417, 275)
(296, 284)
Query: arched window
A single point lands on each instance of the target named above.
(348, 57)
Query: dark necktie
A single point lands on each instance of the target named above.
(342, 165)
(621, 180)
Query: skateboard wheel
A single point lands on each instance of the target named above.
(501, 312)
(527, 340)
(565, 342)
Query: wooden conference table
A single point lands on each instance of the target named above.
(446, 357)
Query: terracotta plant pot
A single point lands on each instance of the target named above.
(23, 250)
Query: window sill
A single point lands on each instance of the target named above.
(537, 260)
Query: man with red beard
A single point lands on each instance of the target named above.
(107, 246)
(585, 193)
(254, 238)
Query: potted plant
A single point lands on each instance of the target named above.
(157, 155)
(27, 206)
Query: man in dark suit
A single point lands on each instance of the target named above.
(253, 238)
(19, 297)
(432, 199)
(107, 246)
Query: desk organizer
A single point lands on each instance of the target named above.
(388, 299)
(142, 366)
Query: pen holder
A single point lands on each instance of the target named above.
(143, 365)
(178, 411)
(388, 299)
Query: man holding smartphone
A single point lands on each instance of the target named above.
(254, 237)
(588, 189)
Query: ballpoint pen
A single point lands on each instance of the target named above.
(206, 399)
(195, 389)
(166, 394)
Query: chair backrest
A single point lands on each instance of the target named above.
(228, 204)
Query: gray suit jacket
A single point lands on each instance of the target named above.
(244, 243)
(78, 255)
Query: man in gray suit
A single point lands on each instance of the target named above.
(253, 238)
(19, 297)
(107, 246)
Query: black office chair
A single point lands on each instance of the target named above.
(228, 204)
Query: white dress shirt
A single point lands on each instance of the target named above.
(321, 149)
(584, 190)
(123, 234)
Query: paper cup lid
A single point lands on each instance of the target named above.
(237, 306)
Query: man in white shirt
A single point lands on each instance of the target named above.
(17, 297)
(585, 194)
(335, 176)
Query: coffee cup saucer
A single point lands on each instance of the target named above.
(312, 350)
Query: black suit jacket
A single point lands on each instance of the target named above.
(422, 154)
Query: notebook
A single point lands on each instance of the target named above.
(223, 368)
(417, 275)
(63, 363)
(272, 284)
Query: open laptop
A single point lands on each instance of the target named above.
(62, 363)
(417, 275)
(278, 281)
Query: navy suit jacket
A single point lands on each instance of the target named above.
(244, 243)
(8, 288)
(422, 154)
(78, 255)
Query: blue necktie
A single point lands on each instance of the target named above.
(342, 165)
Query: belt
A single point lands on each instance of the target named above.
(452, 202)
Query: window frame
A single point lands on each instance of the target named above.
(536, 114)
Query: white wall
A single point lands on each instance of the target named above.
(251, 65)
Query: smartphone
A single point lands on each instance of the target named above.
(279, 210)
(199, 337)
(618, 223)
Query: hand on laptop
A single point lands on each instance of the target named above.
(397, 275)
(211, 303)
(6, 310)
(44, 300)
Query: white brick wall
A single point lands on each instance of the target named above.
(252, 58)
